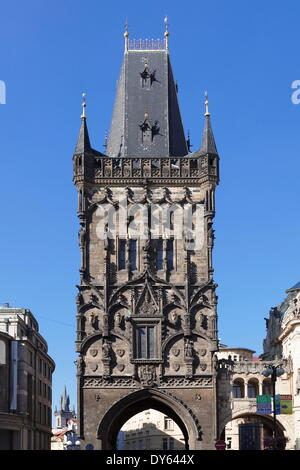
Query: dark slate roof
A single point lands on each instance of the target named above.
(208, 141)
(156, 101)
(208, 145)
(83, 143)
(295, 287)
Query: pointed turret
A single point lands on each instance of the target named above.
(208, 145)
(83, 142)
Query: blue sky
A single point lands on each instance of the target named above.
(244, 53)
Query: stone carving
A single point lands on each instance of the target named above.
(79, 299)
(188, 348)
(120, 352)
(175, 351)
(188, 371)
(94, 320)
(94, 352)
(147, 375)
(175, 317)
(97, 397)
(202, 352)
(176, 366)
(197, 396)
(183, 382)
(94, 367)
(203, 366)
(113, 383)
(106, 349)
(82, 236)
(119, 318)
(93, 299)
(121, 367)
(80, 365)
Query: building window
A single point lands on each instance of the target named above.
(267, 387)
(252, 388)
(40, 387)
(159, 254)
(145, 342)
(168, 443)
(133, 255)
(170, 254)
(121, 255)
(238, 388)
(168, 423)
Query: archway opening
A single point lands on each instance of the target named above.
(150, 430)
(230, 433)
(140, 402)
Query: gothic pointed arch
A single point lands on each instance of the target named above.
(133, 403)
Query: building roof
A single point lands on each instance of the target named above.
(146, 101)
(295, 287)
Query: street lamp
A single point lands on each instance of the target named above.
(274, 372)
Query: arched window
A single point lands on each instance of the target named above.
(121, 254)
(170, 254)
(133, 254)
(238, 388)
(267, 387)
(252, 388)
(159, 254)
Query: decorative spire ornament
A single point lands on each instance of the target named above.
(126, 35)
(166, 34)
(206, 104)
(83, 116)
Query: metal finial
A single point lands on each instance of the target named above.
(166, 34)
(105, 141)
(126, 35)
(206, 104)
(83, 105)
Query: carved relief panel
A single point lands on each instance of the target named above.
(174, 356)
(93, 363)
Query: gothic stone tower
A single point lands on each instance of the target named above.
(147, 319)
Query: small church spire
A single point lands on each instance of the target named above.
(208, 141)
(83, 143)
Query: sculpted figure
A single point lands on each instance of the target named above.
(106, 348)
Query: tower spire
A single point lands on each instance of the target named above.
(83, 143)
(208, 141)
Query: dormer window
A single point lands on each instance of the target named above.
(147, 76)
(149, 129)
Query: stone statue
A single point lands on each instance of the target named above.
(82, 236)
(189, 348)
(80, 365)
(174, 316)
(79, 299)
(119, 318)
(106, 349)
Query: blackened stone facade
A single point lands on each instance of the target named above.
(146, 306)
